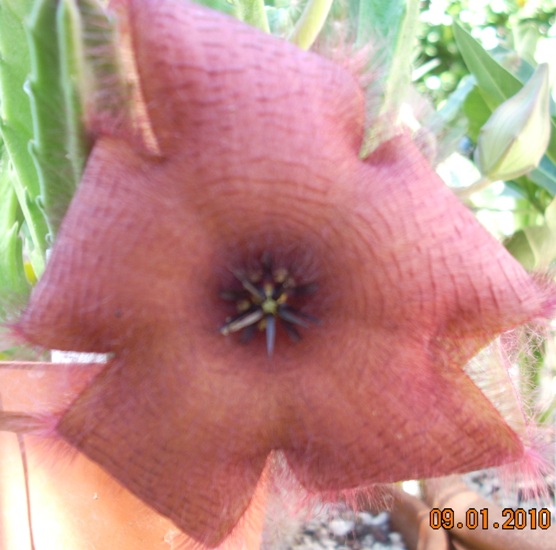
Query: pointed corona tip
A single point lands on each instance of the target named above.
(270, 330)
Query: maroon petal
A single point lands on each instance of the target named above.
(174, 449)
(405, 417)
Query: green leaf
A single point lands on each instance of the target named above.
(535, 246)
(377, 18)
(281, 20)
(16, 122)
(253, 13)
(73, 57)
(526, 36)
(51, 127)
(542, 241)
(14, 287)
(515, 137)
(551, 150)
(107, 91)
(519, 247)
(73, 81)
(545, 175)
(16, 126)
(477, 112)
(224, 6)
(393, 27)
(495, 83)
(311, 22)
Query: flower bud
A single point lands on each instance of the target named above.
(515, 137)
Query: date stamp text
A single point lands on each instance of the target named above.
(519, 518)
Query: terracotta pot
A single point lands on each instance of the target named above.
(409, 516)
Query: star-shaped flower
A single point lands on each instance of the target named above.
(254, 154)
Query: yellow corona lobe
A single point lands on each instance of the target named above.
(516, 135)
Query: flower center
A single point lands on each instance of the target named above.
(266, 296)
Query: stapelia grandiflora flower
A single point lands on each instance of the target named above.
(249, 207)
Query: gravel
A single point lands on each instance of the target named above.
(348, 530)
(335, 528)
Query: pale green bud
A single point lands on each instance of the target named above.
(515, 137)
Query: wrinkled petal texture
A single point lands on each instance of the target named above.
(258, 151)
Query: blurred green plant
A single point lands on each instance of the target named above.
(504, 24)
(504, 111)
(52, 56)
(22, 216)
(42, 130)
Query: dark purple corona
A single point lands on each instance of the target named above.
(266, 295)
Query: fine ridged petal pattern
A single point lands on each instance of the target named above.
(259, 153)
